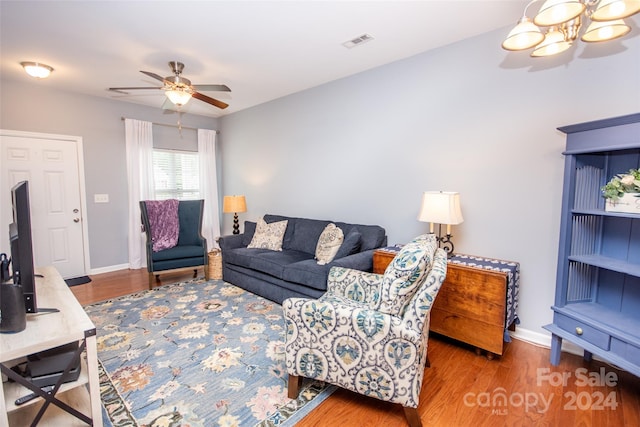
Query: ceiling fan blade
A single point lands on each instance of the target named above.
(154, 75)
(212, 88)
(209, 100)
(125, 89)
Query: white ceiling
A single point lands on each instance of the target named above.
(262, 50)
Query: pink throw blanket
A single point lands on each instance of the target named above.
(164, 224)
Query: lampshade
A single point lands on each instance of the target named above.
(603, 31)
(564, 19)
(234, 204)
(525, 35)
(609, 10)
(554, 12)
(178, 97)
(37, 70)
(441, 207)
(553, 43)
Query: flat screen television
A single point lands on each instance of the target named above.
(22, 245)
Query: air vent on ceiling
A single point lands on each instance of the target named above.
(358, 41)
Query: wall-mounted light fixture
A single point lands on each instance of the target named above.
(37, 69)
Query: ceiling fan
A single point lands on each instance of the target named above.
(178, 89)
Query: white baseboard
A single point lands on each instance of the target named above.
(543, 339)
(109, 269)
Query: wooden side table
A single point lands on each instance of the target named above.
(74, 404)
(382, 258)
(477, 302)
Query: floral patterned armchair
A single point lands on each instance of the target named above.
(368, 333)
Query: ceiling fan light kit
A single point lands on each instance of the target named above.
(36, 69)
(178, 97)
(564, 19)
(178, 89)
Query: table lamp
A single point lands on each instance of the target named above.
(234, 204)
(441, 207)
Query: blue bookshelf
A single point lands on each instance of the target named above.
(597, 301)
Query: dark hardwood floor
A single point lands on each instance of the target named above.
(460, 389)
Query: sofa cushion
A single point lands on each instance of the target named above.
(178, 252)
(307, 273)
(268, 236)
(306, 233)
(242, 256)
(329, 242)
(274, 263)
(190, 216)
(249, 230)
(405, 274)
(372, 236)
(350, 245)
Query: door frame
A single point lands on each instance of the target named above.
(77, 140)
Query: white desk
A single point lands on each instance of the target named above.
(45, 331)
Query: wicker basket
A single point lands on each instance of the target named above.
(215, 264)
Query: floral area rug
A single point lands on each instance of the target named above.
(199, 353)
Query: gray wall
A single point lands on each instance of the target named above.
(467, 117)
(33, 107)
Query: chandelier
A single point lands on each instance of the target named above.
(563, 20)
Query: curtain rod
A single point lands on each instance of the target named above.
(174, 126)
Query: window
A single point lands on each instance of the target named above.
(176, 175)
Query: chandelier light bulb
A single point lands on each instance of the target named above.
(553, 44)
(554, 12)
(609, 10)
(523, 36)
(604, 31)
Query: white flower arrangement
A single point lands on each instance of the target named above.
(622, 183)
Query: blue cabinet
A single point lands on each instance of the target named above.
(597, 301)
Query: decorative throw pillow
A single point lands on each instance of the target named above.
(406, 273)
(268, 236)
(328, 244)
(350, 245)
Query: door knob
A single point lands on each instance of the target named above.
(76, 219)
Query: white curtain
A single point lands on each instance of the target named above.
(139, 143)
(209, 186)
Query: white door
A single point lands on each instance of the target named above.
(53, 166)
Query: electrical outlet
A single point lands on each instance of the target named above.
(101, 198)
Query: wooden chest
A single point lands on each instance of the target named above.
(473, 305)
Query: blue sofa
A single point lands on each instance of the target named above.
(293, 272)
